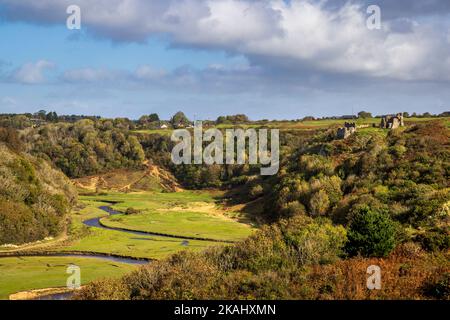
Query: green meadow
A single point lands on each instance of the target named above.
(121, 243)
(157, 214)
(183, 214)
(26, 273)
(298, 125)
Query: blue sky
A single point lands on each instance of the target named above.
(268, 59)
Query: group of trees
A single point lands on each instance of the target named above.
(401, 179)
(149, 121)
(233, 119)
(34, 198)
(179, 119)
(87, 147)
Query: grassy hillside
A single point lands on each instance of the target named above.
(86, 147)
(34, 198)
(337, 206)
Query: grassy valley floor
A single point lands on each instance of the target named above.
(26, 273)
(181, 216)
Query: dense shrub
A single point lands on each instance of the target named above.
(10, 137)
(259, 267)
(434, 240)
(87, 147)
(440, 288)
(34, 198)
(275, 272)
(371, 234)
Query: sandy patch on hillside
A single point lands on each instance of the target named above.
(204, 207)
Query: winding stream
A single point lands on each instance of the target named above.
(91, 223)
(95, 223)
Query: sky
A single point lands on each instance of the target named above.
(275, 59)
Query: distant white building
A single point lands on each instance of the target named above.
(163, 126)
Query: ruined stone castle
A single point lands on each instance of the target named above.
(392, 122)
(347, 130)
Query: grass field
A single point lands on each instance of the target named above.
(299, 125)
(27, 273)
(118, 242)
(186, 214)
(162, 132)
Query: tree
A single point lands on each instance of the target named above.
(364, 114)
(148, 119)
(256, 191)
(221, 119)
(41, 114)
(153, 117)
(371, 234)
(179, 119)
(319, 203)
(51, 117)
(235, 119)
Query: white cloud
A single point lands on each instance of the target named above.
(293, 35)
(32, 72)
(214, 78)
(146, 72)
(90, 75)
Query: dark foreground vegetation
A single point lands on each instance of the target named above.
(295, 259)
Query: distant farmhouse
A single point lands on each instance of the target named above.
(392, 121)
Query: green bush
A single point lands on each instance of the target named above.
(371, 234)
(434, 240)
(439, 289)
(316, 241)
(34, 198)
(293, 209)
(131, 211)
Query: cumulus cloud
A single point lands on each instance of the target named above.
(89, 75)
(146, 72)
(302, 35)
(32, 72)
(213, 79)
